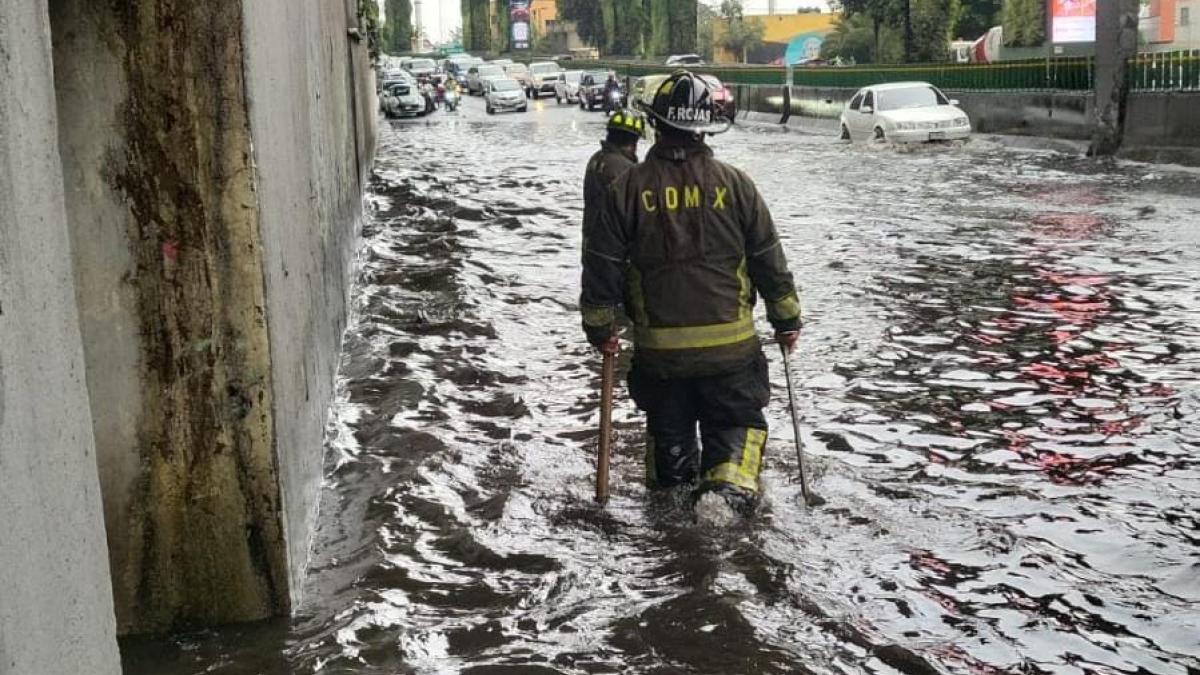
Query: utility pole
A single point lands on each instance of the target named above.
(771, 7)
(1116, 43)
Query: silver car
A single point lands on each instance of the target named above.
(478, 76)
(402, 100)
(505, 94)
(567, 87)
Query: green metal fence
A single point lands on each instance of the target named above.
(1167, 71)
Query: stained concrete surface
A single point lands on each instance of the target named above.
(56, 613)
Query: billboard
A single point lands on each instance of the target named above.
(518, 21)
(1072, 21)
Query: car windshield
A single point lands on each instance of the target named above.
(490, 71)
(518, 68)
(911, 97)
(400, 90)
(540, 68)
(573, 75)
(421, 64)
(506, 85)
(598, 76)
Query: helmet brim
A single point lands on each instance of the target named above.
(718, 126)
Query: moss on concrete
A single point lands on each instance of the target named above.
(206, 529)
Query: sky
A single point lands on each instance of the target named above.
(442, 16)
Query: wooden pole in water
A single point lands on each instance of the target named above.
(811, 498)
(606, 406)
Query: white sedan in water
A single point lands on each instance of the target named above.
(904, 112)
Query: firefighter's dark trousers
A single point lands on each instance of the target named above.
(727, 408)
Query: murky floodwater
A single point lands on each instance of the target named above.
(1002, 397)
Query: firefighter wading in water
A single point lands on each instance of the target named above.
(617, 154)
(685, 243)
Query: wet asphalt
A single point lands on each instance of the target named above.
(1000, 393)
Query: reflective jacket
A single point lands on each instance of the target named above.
(686, 243)
(603, 168)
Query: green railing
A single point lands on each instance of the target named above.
(1167, 71)
(1063, 74)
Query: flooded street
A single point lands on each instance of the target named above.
(1001, 397)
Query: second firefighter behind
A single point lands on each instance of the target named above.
(686, 245)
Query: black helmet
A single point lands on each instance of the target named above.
(628, 121)
(684, 101)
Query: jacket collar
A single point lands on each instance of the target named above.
(630, 154)
(680, 150)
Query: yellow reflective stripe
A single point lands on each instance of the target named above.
(695, 337)
(744, 308)
(743, 474)
(785, 308)
(598, 316)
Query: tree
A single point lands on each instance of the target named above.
(881, 13)
(589, 24)
(854, 40)
(705, 44)
(977, 17)
(501, 27)
(477, 29)
(933, 26)
(398, 31)
(741, 34)
(1024, 23)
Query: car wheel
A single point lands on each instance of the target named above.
(845, 135)
(491, 110)
(535, 94)
(879, 135)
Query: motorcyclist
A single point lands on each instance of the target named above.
(686, 244)
(612, 93)
(617, 154)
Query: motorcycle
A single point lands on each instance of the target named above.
(613, 101)
(450, 100)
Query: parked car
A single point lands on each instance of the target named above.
(543, 78)
(500, 62)
(566, 87)
(520, 73)
(402, 100)
(904, 112)
(591, 89)
(421, 68)
(685, 60)
(477, 77)
(505, 94)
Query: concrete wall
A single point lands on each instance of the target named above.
(56, 613)
(214, 154)
(1163, 120)
(302, 68)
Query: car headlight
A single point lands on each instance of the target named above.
(962, 122)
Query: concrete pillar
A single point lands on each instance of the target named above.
(56, 612)
(214, 155)
(1116, 43)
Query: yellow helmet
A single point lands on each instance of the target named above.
(629, 121)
